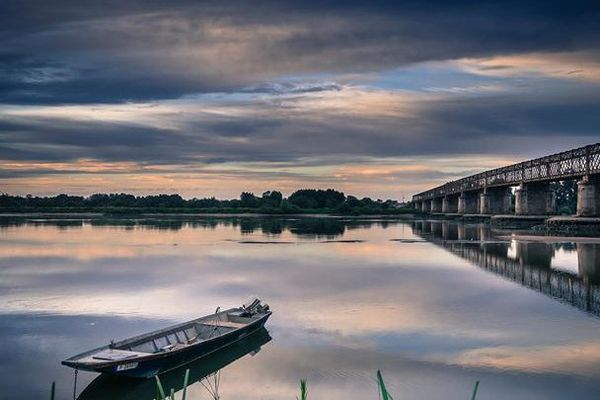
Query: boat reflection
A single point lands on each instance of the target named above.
(529, 266)
(205, 371)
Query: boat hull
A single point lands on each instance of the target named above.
(107, 386)
(160, 363)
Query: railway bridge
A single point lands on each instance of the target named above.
(490, 192)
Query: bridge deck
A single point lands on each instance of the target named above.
(565, 165)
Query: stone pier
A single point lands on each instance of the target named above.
(468, 203)
(450, 204)
(534, 199)
(436, 205)
(495, 200)
(426, 206)
(588, 196)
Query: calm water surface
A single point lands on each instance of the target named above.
(435, 305)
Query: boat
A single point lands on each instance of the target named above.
(200, 370)
(160, 351)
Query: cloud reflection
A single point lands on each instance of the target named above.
(342, 310)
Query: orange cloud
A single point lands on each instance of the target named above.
(579, 66)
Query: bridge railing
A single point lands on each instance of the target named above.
(565, 165)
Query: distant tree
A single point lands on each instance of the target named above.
(121, 200)
(249, 200)
(289, 208)
(304, 200)
(317, 198)
(343, 208)
(98, 200)
(353, 201)
(272, 199)
(206, 203)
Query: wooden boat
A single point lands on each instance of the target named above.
(165, 349)
(204, 369)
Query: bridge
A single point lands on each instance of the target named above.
(490, 192)
(529, 266)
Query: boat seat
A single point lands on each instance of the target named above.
(227, 324)
(175, 346)
(117, 355)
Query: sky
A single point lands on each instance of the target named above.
(203, 98)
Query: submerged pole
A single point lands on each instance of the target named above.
(75, 385)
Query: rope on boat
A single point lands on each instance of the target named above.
(216, 328)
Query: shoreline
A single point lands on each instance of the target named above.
(192, 215)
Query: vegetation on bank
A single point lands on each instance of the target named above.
(565, 193)
(304, 201)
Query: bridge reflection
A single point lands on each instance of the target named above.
(526, 263)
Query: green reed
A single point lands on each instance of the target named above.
(160, 391)
(383, 393)
(382, 390)
(475, 390)
(303, 390)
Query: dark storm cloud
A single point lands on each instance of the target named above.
(45, 139)
(116, 51)
(505, 123)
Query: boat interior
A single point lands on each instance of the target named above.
(172, 338)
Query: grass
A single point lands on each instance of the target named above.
(382, 390)
(303, 390)
(160, 392)
(383, 393)
(475, 390)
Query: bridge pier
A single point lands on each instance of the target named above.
(588, 196)
(436, 205)
(534, 199)
(468, 203)
(588, 261)
(426, 206)
(450, 204)
(495, 200)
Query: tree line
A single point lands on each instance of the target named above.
(270, 202)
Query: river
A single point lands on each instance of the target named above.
(434, 305)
